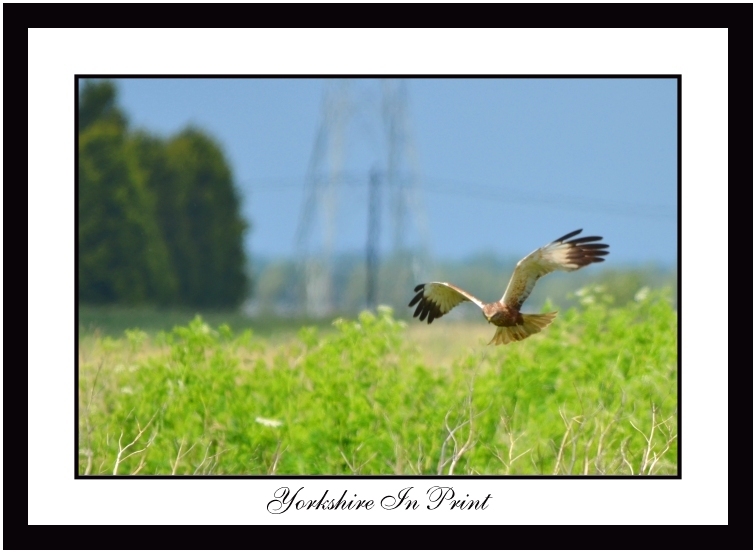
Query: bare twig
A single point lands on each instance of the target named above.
(648, 446)
(561, 448)
(94, 384)
(207, 449)
(442, 461)
(538, 469)
(121, 449)
(467, 445)
(353, 465)
(580, 399)
(142, 461)
(89, 451)
(624, 457)
(458, 451)
(586, 455)
(666, 448)
(599, 451)
(511, 447)
(398, 457)
(567, 433)
(420, 456)
(575, 436)
(205, 459)
(277, 457)
(650, 457)
(179, 456)
(347, 461)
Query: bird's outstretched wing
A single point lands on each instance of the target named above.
(560, 255)
(436, 299)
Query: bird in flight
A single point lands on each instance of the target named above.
(436, 299)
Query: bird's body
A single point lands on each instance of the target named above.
(435, 299)
(501, 314)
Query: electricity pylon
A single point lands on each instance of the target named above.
(325, 180)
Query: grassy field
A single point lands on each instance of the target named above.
(114, 321)
(595, 393)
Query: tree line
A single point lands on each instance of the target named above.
(159, 219)
(277, 282)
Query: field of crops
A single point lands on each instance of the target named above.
(595, 393)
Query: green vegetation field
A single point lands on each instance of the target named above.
(595, 393)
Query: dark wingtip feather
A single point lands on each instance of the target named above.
(425, 307)
(594, 246)
(569, 235)
(415, 299)
(585, 250)
(585, 239)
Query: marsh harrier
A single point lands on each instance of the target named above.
(436, 299)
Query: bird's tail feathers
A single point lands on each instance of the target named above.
(531, 324)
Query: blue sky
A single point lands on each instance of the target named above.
(504, 165)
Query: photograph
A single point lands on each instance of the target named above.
(360, 276)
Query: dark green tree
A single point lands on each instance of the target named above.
(122, 255)
(159, 220)
(199, 215)
(97, 102)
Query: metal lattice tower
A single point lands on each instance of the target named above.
(397, 170)
(402, 174)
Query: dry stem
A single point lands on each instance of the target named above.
(121, 449)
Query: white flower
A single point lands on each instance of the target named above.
(268, 422)
(642, 294)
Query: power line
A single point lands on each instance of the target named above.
(503, 195)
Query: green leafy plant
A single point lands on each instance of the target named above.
(594, 394)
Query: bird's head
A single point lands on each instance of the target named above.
(488, 311)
